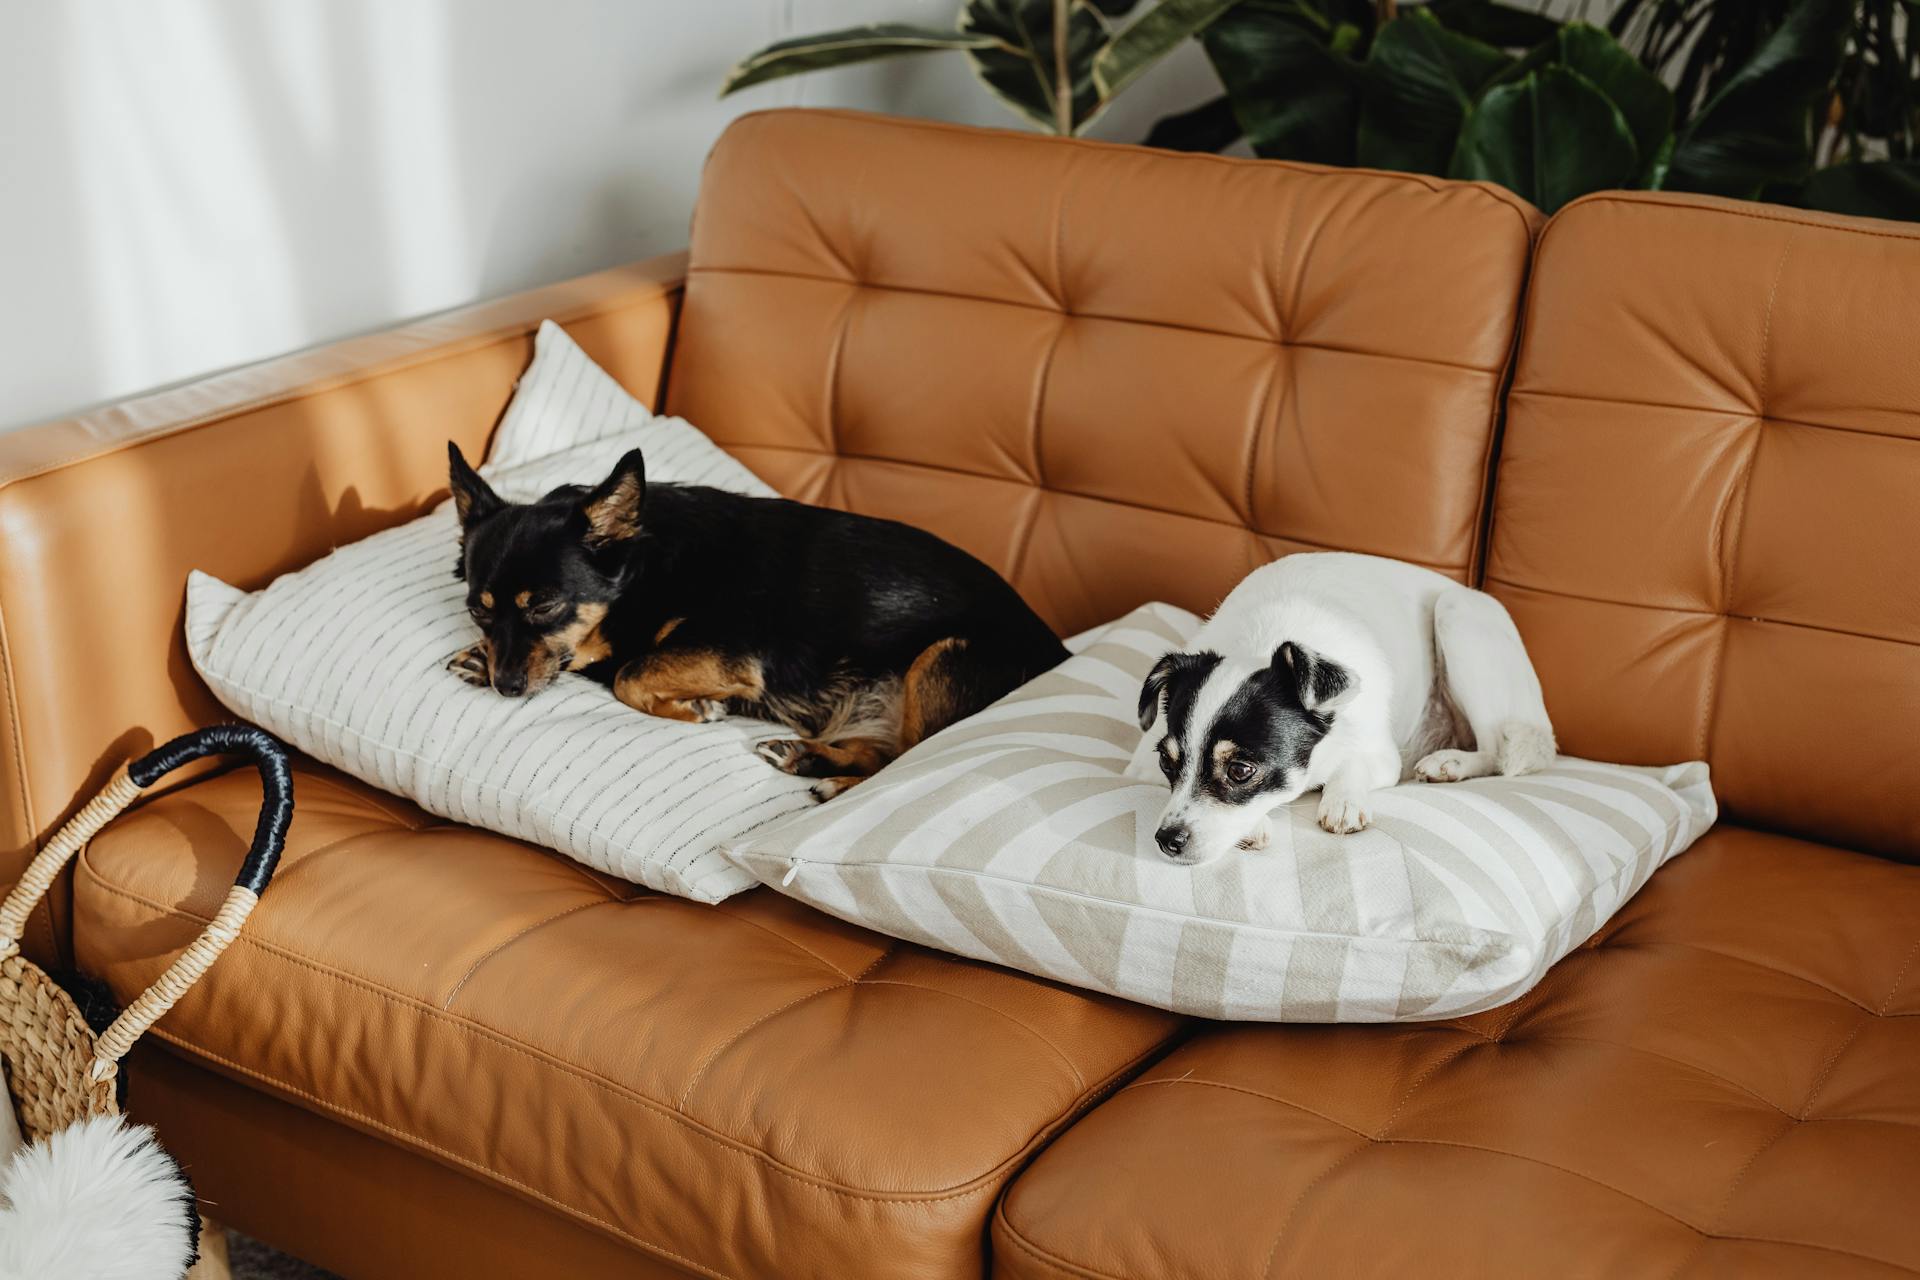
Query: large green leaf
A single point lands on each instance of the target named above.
(1887, 189)
(842, 48)
(1296, 98)
(1550, 136)
(1151, 37)
(1646, 103)
(1496, 24)
(1018, 62)
(1421, 80)
(1759, 128)
(1211, 126)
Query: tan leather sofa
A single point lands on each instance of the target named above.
(1116, 375)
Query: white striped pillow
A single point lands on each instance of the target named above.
(346, 660)
(1015, 837)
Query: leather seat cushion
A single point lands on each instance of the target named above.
(1726, 1081)
(745, 1089)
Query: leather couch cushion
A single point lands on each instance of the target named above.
(748, 1089)
(1116, 375)
(1706, 522)
(1725, 1081)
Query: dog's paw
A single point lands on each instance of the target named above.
(782, 753)
(1343, 815)
(1450, 766)
(827, 788)
(471, 665)
(707, 710)
(1257, 839)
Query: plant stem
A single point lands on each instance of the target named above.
(1385, 11)
(1062, 80)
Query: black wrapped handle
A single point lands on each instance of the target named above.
(269, 756)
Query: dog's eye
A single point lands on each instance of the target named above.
(482, 616)
(1239, 771)
(1168, 765)
(550, 611)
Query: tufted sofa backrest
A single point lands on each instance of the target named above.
(1707, 512)
(1113, 374)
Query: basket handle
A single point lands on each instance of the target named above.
(128, 781)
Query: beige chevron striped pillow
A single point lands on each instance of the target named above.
(1014, 837)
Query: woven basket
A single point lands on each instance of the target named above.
(58, 1072)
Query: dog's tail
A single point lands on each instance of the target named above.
(1523, 747)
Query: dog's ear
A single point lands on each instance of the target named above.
(612, 510)
(1323, 685)
(1163, 674)
(473, 498)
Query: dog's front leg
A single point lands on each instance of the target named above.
(1346, 798)
(693, 685)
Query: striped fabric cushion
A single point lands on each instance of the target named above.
(1015, 837)
(346, 660)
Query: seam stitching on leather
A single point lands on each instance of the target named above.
(1835, 992)
(1899, 980)
(1059, 235)
(718, 909)
(1707, 1233)
(699, 1072)
(1260, 412)
(1293, 1210)
(893, 945)
(1439, 565)
(1079, 1082)
(1458, 366)
(1737, 515)
(372, 799)
(1035, 438)
(1715, 411)
(833, 368)
(341, 381)
(480, 1031)
(1734, 517)
(1695, 613)
(504, 943)
(1432, 1069)
(1826, 1071)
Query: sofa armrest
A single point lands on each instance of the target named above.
(244, 474)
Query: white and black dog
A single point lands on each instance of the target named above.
(1344, 672)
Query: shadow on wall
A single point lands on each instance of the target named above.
(217, 181)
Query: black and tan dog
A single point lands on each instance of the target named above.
(862, 635)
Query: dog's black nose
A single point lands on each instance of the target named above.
(1172, 840)
(511, 686)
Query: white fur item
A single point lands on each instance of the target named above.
(99, 1200)
(1438, 687)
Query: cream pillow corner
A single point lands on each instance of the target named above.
(1016, 837)
(345, 659)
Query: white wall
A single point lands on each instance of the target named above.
(187, 185)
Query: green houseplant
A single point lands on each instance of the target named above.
(1058, 63)
(1809, 102)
